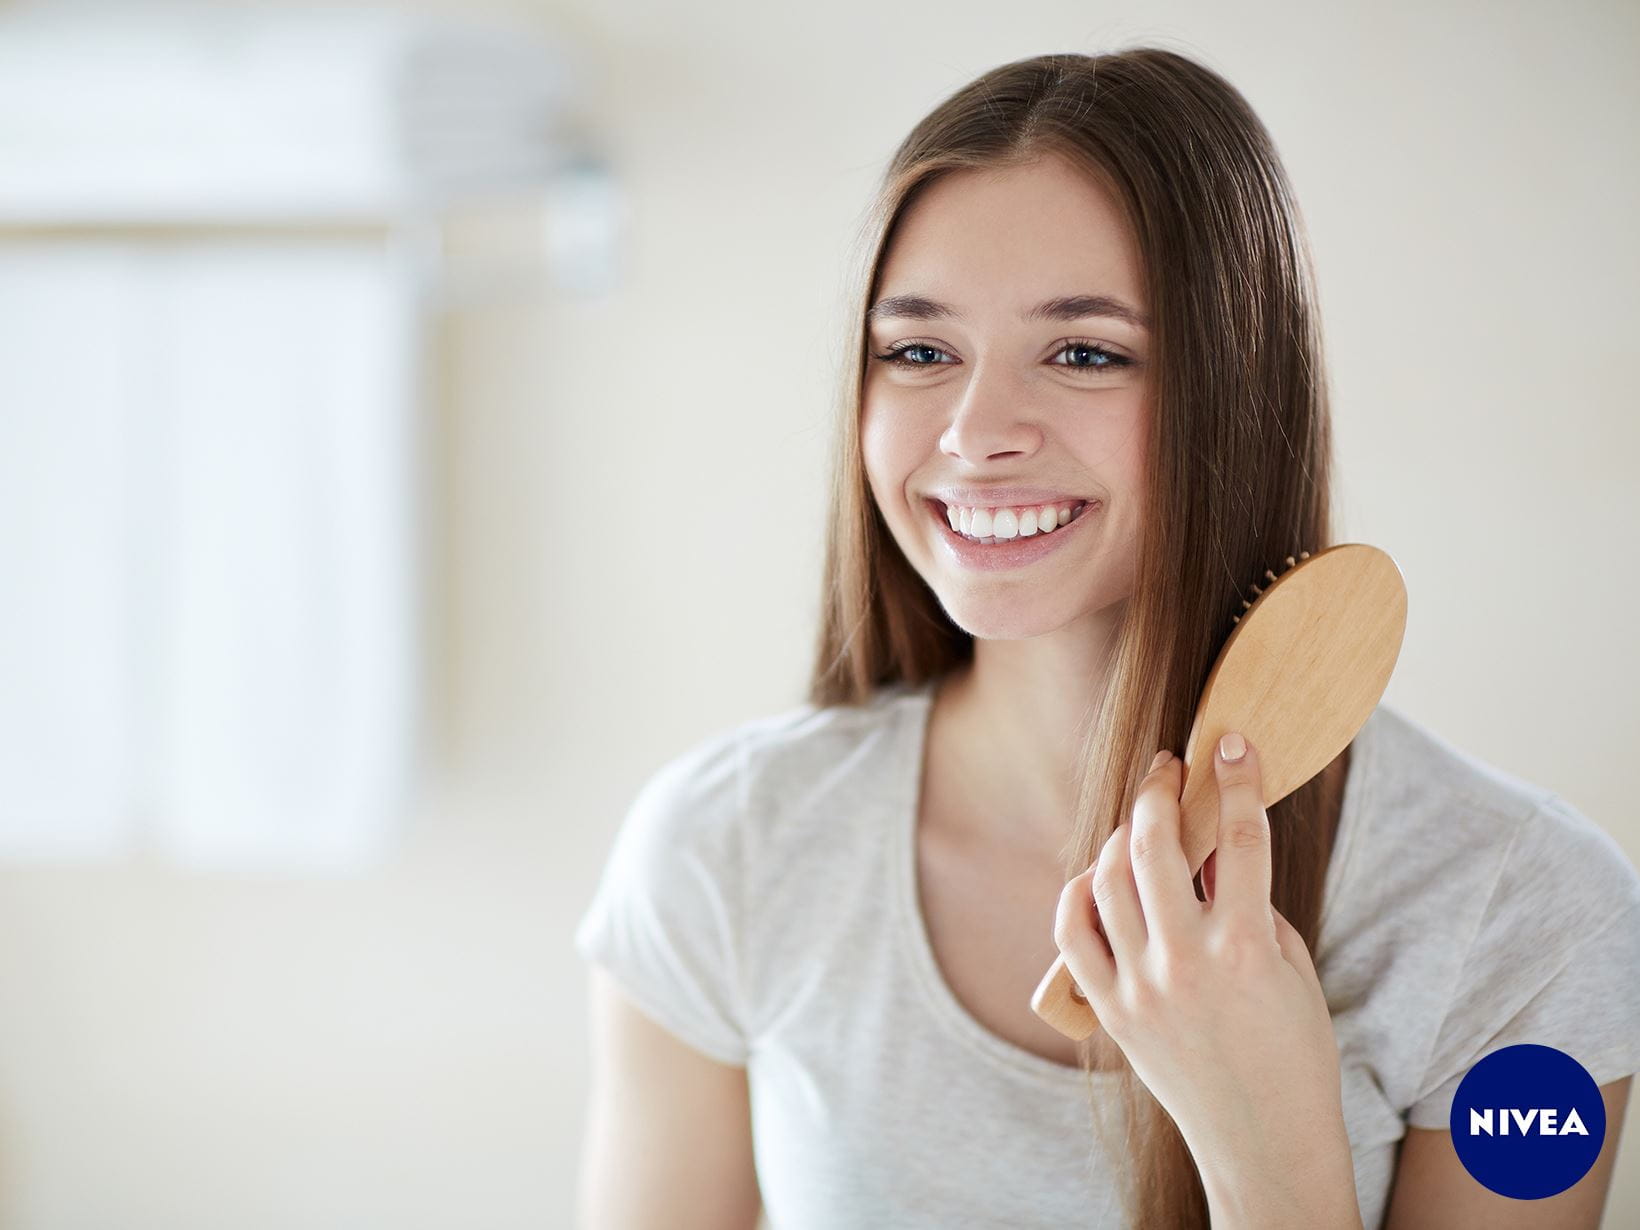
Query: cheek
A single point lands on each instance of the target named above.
(1115, 446)
(887, 449)
(872, 452)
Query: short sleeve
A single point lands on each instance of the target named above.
(1555, 961)
(664, 920)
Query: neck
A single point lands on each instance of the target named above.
(1016, 717)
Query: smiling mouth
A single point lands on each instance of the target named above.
(942, 512)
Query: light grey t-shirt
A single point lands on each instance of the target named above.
(760, 902)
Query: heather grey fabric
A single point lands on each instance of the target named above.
(759, 902)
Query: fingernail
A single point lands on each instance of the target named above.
(1232, 747)
(1162, 757)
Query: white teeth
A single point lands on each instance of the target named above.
(1006, 524)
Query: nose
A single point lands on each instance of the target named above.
(991, 419)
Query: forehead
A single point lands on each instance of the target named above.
(1004, 239)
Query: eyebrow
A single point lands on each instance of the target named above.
(1066, 307)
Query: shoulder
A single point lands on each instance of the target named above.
(1466, 908)
(1427, 813)
(1410, 766)
(827, 757)
(1437, 847)
(752, 775)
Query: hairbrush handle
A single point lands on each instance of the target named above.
(1055, 999)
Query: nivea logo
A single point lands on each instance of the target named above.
(1527, 1121)
(1522, 1122)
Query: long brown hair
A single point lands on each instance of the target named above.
(1239, 466)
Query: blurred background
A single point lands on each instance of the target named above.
(413, 429)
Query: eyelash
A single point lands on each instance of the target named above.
(896, 357)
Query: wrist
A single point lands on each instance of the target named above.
(1307, 1183)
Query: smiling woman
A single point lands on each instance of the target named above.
(1086, 406)
(1005, 406)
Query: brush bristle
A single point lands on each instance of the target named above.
(1269, 575)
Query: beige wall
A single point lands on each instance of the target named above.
(407, 1050)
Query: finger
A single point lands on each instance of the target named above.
(1161, 872)
(1242, 877)
(1117, 899)
(1076, 932)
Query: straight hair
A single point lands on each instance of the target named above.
(1239, 465)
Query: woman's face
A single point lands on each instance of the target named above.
(986, 397)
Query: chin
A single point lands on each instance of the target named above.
(1000, 622)
(997, 620)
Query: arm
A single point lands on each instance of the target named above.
(1433, 1191)
(669, 1140)
(1305, 1178)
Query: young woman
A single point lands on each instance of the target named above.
(1087, 411)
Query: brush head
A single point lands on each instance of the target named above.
(1304, 666)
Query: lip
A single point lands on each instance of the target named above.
(1004, 497)
(998, 557)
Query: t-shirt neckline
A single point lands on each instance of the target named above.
(917, 709)
(935, 992)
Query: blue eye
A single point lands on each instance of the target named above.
(896, 356)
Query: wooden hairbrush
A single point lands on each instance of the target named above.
(1302, 670)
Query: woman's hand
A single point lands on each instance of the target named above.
(1216, 1004)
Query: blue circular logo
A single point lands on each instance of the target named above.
(1528, 1121)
